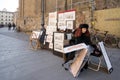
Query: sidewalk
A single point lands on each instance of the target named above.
(19, 62)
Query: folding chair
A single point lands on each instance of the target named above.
(90, 61)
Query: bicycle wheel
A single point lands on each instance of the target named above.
(94, 40)
(110, 42)
(119, 44)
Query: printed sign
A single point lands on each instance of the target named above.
(69, 24)
(52, 23)
(51, 29)
(62, 25)
(51, 45)
(58, 46)
(49, 38)
(69, 15)
(58, 37)
(61, 17)
(53, 16)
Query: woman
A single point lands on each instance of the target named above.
(82, 34)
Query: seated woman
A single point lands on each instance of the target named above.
(80, 35)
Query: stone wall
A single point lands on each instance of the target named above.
(30, 11)
(108, 20)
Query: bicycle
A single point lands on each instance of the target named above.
(110, 40)
(118, 42)
(95, 38)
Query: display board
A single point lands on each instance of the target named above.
(75, 47)
(66, 20)
(52, 27)
(107, 60)
(58, 42)
(58, 46)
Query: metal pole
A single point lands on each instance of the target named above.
(56, 5)
(65, 4)
(42, 12)
(71, 4)
(92, 12)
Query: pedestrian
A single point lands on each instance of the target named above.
(9, 26)
(13, 25)
(42, 36)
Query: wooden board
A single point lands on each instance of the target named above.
(77, 64)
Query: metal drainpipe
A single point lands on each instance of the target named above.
(56, 5)
(65, 4)
(42, 11)
(92, 11)
(71, 4)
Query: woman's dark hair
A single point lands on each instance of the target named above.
(87, 33)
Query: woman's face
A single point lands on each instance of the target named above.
(84, 30)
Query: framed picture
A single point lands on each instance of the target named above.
(69, 15)
(52, 16)
(51, 29)
(58, 46)
(51, 45)
(61, 17)
(70, 25)
(49, 38)
(62, 25)
(52, 23)
(58, 37)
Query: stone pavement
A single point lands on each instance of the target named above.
(19, 62)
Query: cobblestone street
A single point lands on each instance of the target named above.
(19, 62)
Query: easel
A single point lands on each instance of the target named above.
(34, 40)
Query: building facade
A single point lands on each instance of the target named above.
(29, 12)
(6, 17)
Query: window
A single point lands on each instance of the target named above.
(6, 23)
(1, 22)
